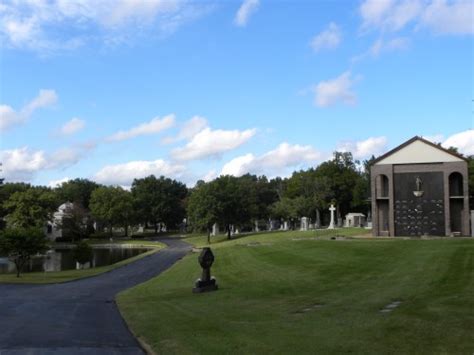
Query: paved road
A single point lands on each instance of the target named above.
(78, 317)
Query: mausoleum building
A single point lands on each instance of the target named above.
(420, 188)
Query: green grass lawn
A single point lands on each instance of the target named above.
(69, 275)
(312, 296)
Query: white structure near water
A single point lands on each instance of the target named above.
(53, 228)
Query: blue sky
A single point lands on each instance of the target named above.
(115, 90)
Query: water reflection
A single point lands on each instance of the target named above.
(63, 259)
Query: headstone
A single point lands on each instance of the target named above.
(285, 225)
(332, 209)
(215, 229)
(256, 227)
(304, 224)
(206, 282)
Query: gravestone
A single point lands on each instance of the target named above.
(206, 282)
(331, 223)
(285, 225)
(257, 229)
(304, 223)
(215, 229)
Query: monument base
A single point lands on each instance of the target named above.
(205, 286)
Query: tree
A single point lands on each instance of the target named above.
(160, 200)
(30, 208)
(83, 253)
(112, 206)
(20, 244)
(75, 223)
(202, 208)
(78, 191)
(342, 175)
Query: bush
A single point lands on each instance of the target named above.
(20, 244)
(83, 252)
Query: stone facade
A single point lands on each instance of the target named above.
(419, 189)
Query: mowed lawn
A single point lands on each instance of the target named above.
(313, 296)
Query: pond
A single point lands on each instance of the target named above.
(63, 259)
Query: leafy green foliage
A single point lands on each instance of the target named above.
(113, 206)
(20, 244)
(83, 252)
(30, 208)
(160, 200)
(76, 223)
(78, 191)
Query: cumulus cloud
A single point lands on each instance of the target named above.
(398, 43)
(123, 174)
(246, 10)
(464, 141)
(72, 126)
(331, 92)
(454, 18)
(10, 117)
(188, 130)
(22, 164)
(57, 183)
(156, 125)
(441, 16)
(330, 38)
(365, 148)
(212, 143)
(40, 25)
(274, 162)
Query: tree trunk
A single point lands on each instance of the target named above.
(126, 230)
(228, 232)
(156, 228)
(208, 235)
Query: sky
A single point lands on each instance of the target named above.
(113, 90)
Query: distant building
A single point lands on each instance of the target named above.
(420, 188)
(53, 228)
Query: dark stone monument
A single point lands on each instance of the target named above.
(206, 282)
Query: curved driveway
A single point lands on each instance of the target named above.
(78, 317)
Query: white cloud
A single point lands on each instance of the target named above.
(379, 46)
(247, 9)
(67, 24)
(210, 175)
(454, 18)
(336, 90)
(22, 164)
(464, 141)
(123, 174)
(441, 16)
(188, 130)
(274, 162)
(57, 183)
(155, 126)
(9, 117)
(364, 149)
(328, 39)
(72, 126)
(212, 143)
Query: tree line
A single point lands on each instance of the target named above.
(154, 202)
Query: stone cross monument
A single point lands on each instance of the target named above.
(331, 224)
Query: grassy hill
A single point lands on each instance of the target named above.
(296, 293)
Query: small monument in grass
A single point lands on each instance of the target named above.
(331, 224)
(206, 282)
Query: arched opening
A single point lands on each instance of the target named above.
(381, 186)
(455, 185)
(456, 202)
